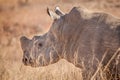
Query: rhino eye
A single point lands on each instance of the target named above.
(24, 51)
(40, 45)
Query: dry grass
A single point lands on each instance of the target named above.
(58, 71)
(102, 73)
(18, 18)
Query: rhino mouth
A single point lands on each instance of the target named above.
(29, 62)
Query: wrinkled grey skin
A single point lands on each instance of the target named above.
(80, 37)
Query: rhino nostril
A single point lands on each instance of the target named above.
(25, 60)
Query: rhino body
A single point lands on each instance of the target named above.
(86, 39)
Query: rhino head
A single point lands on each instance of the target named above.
(42, 50)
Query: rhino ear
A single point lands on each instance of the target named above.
(59, 12)
(53, 15)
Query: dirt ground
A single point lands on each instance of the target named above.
(29, 18)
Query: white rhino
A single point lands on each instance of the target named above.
(89, 40)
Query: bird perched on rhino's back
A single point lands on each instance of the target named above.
(87, 39)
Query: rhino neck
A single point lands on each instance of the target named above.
(54, 48)
(65, 39)
(71, 53)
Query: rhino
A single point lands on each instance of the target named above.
(89, 40)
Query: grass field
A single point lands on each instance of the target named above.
(29, 17)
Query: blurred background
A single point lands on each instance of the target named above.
(29, 18)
